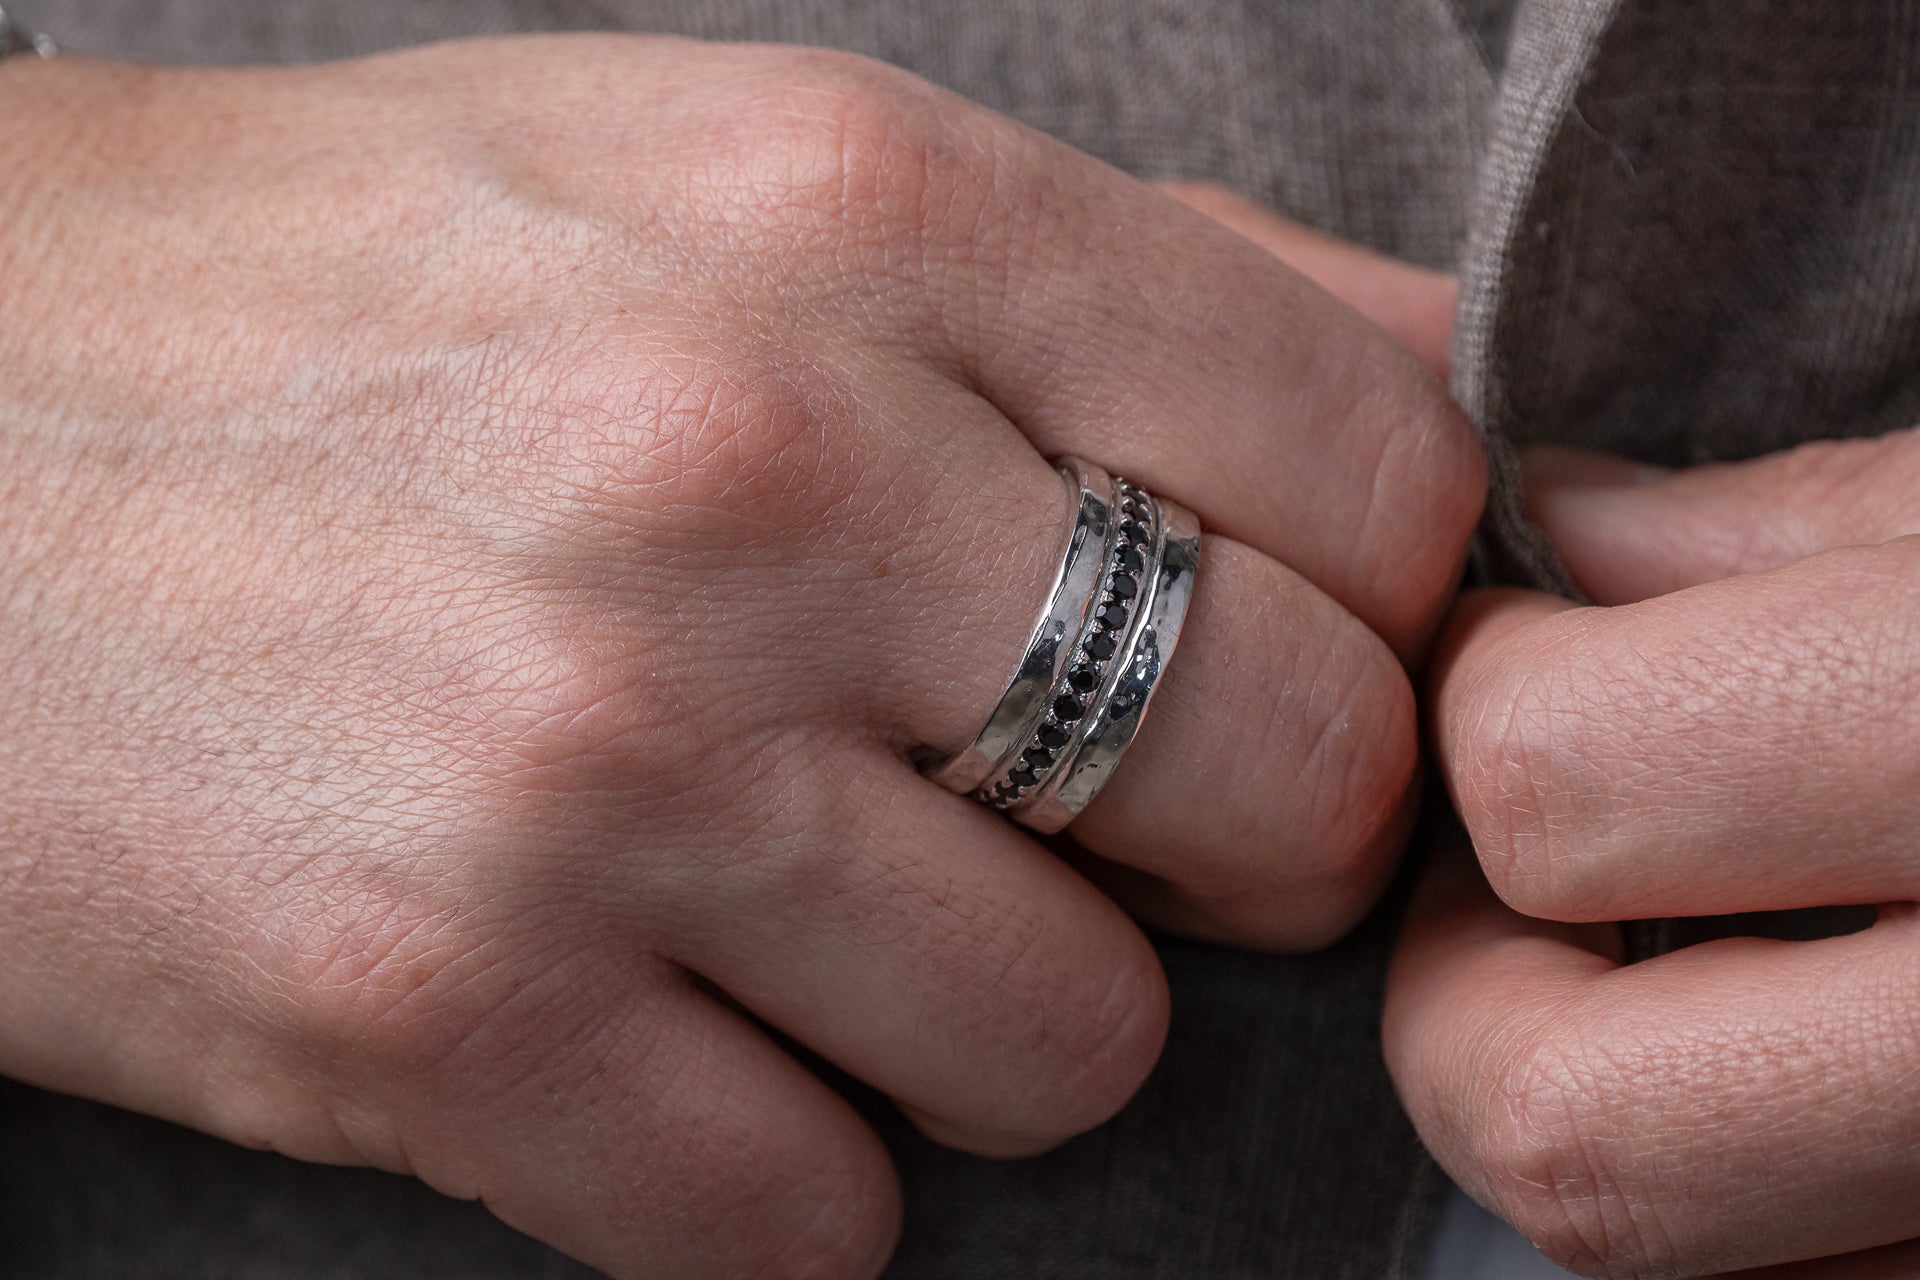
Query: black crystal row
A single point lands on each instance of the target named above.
(1112, 614)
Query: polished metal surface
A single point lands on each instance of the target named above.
(1120, 705)
(1096, 655)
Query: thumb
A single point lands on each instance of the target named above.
(1412, 303)
(1629, 532)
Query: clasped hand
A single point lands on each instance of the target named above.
(1737, 730)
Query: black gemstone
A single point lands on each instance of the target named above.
(1038, 758)
(1083, 678)
(1112, 616)
(1052, 735)
(1067, 708)
(1131, 561)
(1134, 508)
(1022, 778)
(1101, 646)
(1125, 586)
(1135, 532)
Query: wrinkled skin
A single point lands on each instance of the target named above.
(488, 531)
(1736, 729)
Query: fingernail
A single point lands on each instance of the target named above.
(1558, 467)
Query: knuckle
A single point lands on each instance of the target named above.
(1358, 772)
(1070, 1030)
(1327, 765)
(1528, 734)
(1561, 1169)
(1066, 1039)
(1060, 1025)
(1364, 761)
(828, 148)
(358, 940)
(705, 449)
(1429, 487)
(801, 1191)
(1109, 1056)
(1069, 1033)
(1490, 750)
(1077, 1038)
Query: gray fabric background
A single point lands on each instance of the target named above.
(1699, 235)
(1694, 236)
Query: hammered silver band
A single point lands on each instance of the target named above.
(1094, 658)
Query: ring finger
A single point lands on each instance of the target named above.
(1272, 771)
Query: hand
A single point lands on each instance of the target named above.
(486, 532)
(1738, 730)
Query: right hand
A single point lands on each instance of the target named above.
(485, 531)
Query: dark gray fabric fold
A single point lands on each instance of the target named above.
(1698, 236)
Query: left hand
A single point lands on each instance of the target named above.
(1736, 729)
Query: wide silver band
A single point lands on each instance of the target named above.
(1095, 657)
(1121, 705)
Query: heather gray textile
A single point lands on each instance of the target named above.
(1699, 236)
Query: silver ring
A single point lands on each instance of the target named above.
(1074, 729)
(1115, 715)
